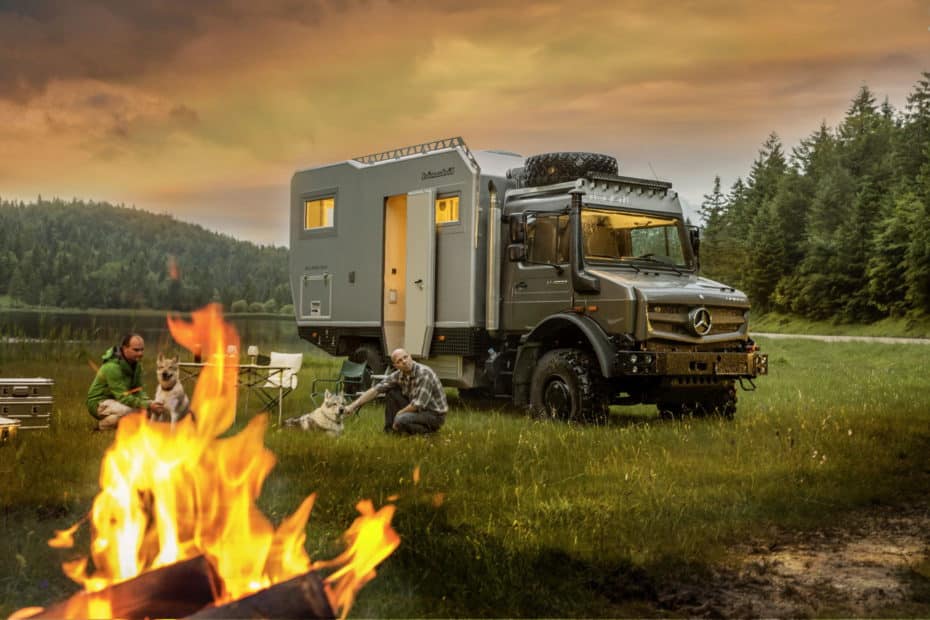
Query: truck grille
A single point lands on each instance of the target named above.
(674, 320)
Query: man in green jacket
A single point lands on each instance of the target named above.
(117, 388)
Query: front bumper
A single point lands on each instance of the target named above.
(692, 364)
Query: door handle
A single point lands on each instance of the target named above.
(520, 285)
(419, 283)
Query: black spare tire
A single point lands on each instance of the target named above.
(550, 168)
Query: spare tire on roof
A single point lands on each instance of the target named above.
(549, 168)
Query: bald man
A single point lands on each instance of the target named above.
(415, 401)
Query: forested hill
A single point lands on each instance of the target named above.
(840, 227)
(97, 255)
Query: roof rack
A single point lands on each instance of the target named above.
(647, 183)
(419, 149)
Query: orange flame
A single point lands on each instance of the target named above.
(64, 539)
(170, 493)
(370, 540)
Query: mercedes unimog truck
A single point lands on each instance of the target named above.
(550, 280)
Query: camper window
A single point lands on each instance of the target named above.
(447, 209)
(319, 212)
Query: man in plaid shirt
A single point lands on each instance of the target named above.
(415, 401)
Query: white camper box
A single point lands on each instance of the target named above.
(393, 246)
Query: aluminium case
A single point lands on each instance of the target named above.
(337, 272)
(28, 400)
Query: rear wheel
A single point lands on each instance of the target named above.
(371, 355)
(566, 385)
(720, 403)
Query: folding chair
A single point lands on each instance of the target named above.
(280, 382)
(354, 378)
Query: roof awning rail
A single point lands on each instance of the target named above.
(419, 149)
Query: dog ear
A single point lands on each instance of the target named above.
(326, 394)
(161, 357)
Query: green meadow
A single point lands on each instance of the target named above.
(516, 517)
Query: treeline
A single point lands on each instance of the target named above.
(840, 228)
(96, 255)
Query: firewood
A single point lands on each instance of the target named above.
(171, 591)
(300, 597)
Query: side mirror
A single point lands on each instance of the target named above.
(517, 229)
(516, 252)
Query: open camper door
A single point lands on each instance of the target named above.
(421, 272)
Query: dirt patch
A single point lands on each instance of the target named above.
(872, 563)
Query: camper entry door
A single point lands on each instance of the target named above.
(410, 271)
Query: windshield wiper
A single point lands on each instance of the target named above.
(651, 258)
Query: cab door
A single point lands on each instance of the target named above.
(540, 285)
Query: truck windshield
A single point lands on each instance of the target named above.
(623, 237)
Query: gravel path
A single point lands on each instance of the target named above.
(879, 339)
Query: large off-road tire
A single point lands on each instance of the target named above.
(371, 355)
(550, 168)
(721, 404)
(567, 385)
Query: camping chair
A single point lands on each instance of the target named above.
(281, 382)
(354, 378)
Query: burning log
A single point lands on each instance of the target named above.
(171, 591)
(300, 597)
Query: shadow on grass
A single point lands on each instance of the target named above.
(443, 569)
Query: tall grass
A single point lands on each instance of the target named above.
(514, 517)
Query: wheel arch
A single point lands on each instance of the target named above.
(557, 331)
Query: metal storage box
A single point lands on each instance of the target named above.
(27, 400)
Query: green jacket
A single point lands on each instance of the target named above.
(116, 379)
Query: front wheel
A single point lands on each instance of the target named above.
(566, 385)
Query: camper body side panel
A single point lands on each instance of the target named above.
(344, 264)
(338, 266)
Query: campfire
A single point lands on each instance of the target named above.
(175, 530)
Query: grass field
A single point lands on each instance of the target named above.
(514, 517)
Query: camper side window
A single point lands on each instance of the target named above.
(447, 209)
(319, 212)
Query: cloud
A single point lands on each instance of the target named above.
(130, 95)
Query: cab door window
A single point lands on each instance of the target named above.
(547, 239)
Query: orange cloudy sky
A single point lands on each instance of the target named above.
(205, 109)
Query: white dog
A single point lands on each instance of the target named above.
(170, 391)
(327, 417)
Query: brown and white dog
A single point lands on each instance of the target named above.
(327, 417)
(170, 391)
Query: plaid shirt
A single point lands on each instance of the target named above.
(421, 387)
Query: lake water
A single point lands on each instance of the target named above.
(266, 332)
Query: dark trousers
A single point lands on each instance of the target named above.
(412, 423)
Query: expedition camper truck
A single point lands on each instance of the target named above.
(549, 280)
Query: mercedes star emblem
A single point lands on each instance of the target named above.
(700, 321)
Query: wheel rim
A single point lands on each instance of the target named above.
(558, 399)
